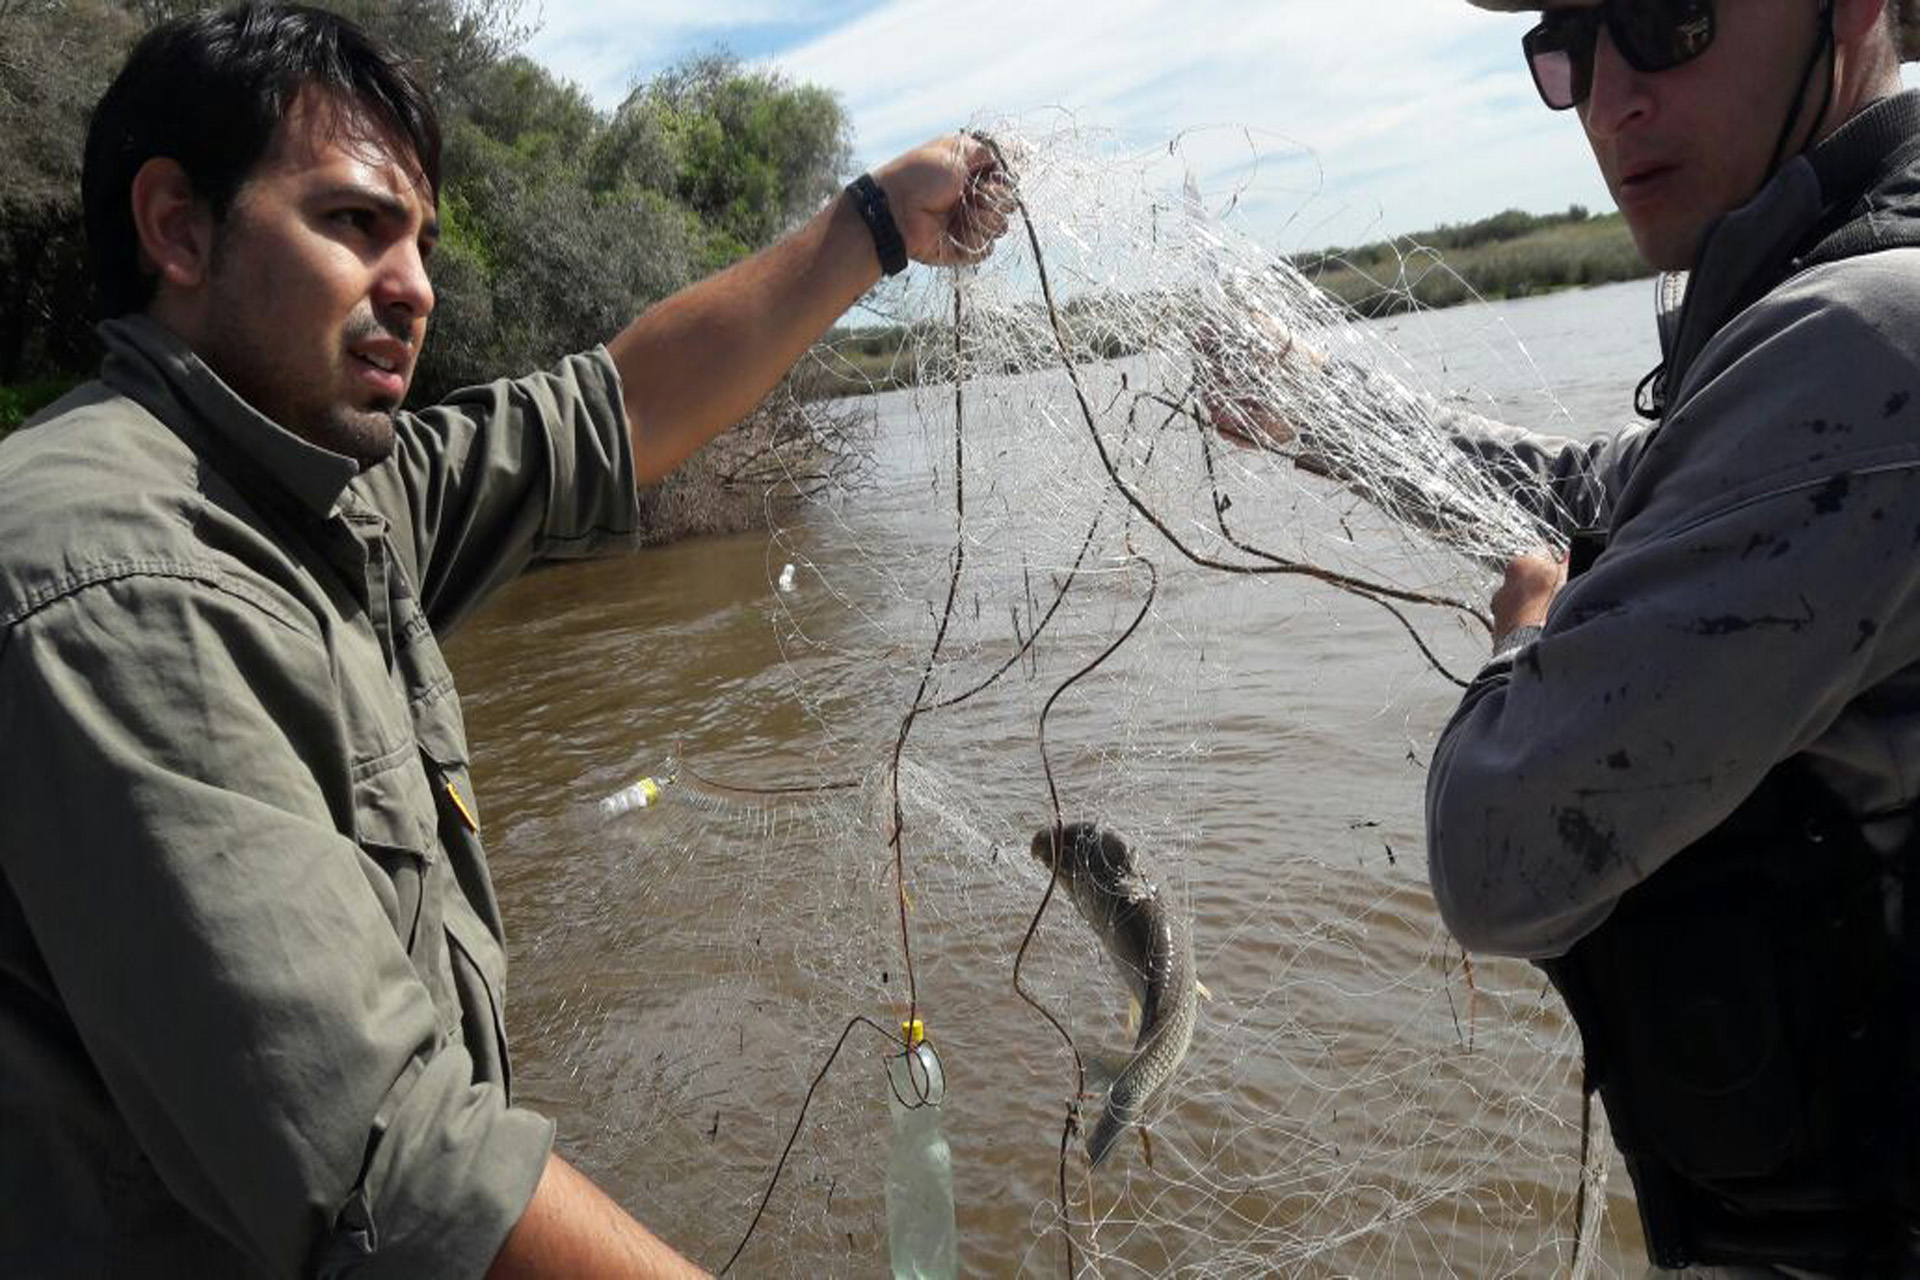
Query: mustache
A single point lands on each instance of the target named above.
(363, 325)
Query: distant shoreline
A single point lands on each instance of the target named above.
(1510, 255)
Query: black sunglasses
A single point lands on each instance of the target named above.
(1652, 35)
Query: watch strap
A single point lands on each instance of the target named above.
(870, 199)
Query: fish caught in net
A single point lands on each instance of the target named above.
(1061, 595)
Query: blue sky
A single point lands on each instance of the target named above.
(1371, 116)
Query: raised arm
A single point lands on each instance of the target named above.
(698, 362)
(1264, 386)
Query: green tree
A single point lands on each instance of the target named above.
(750, 152)
(531, 263)
(558, 223)
(452, 45)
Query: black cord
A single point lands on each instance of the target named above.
(1058, 836)
(779, 1168)
(1822, 48)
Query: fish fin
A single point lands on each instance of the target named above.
(1201, 987)
(1134, 1014)
(1146, 1144)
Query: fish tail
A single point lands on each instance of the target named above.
(1104, 1135)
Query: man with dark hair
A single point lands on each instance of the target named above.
(1686, 782)
(250, 959)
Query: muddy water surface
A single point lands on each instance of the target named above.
(1351, 1106)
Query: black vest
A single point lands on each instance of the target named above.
(1749, 1019)
(1751, 1012)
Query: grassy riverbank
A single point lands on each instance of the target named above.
(1510, 255)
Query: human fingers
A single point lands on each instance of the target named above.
(982, 156)
(973, 231)
(1535, 572)
(952, 197)
(1247, 423)
(983, 212)
(925, 188)
(1527, 590)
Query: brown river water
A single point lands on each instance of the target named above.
(1352, 1104)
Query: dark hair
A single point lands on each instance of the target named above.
(208, 91)
(1903, 22)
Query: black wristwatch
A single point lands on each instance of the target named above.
(871, 201)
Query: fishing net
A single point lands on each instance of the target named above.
(1058, 595)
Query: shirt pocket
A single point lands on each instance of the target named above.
(477, 963)
(443, 756)
(393, 815)
(441, 731)
(478, 967)
(469, 927)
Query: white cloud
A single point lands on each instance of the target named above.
(605, 45)
(1383, 116)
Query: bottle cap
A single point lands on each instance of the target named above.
(914, 1031)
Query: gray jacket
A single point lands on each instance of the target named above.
(1760, 594)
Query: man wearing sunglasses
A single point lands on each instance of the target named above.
(1687, 782)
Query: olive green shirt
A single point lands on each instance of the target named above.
(251, 964)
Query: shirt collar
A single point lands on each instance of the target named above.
(148, 362)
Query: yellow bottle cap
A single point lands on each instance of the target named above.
(914, 1031)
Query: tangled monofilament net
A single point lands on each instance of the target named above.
(1048, 607)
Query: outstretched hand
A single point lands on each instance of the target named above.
(1240, 377)
(950, 198)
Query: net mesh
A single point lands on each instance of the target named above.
(846, 831)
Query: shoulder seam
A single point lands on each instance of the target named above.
(122, 570)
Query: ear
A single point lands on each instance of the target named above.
(174, 223)
(1854, 20)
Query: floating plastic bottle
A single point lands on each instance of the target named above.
(638, 796)
(921, 1238)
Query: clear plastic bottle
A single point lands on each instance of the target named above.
(921, 1238)
(638, 796)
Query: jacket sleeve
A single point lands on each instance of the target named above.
(1559, 484)
(1567, 483)
(1763, 578)
(506, 473)
(224, 954)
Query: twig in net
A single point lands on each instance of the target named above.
(1058, 835)
(799, 1120)
(1220, 505)
(1271, 564)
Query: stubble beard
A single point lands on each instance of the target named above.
(300, 401)
(366, 435)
